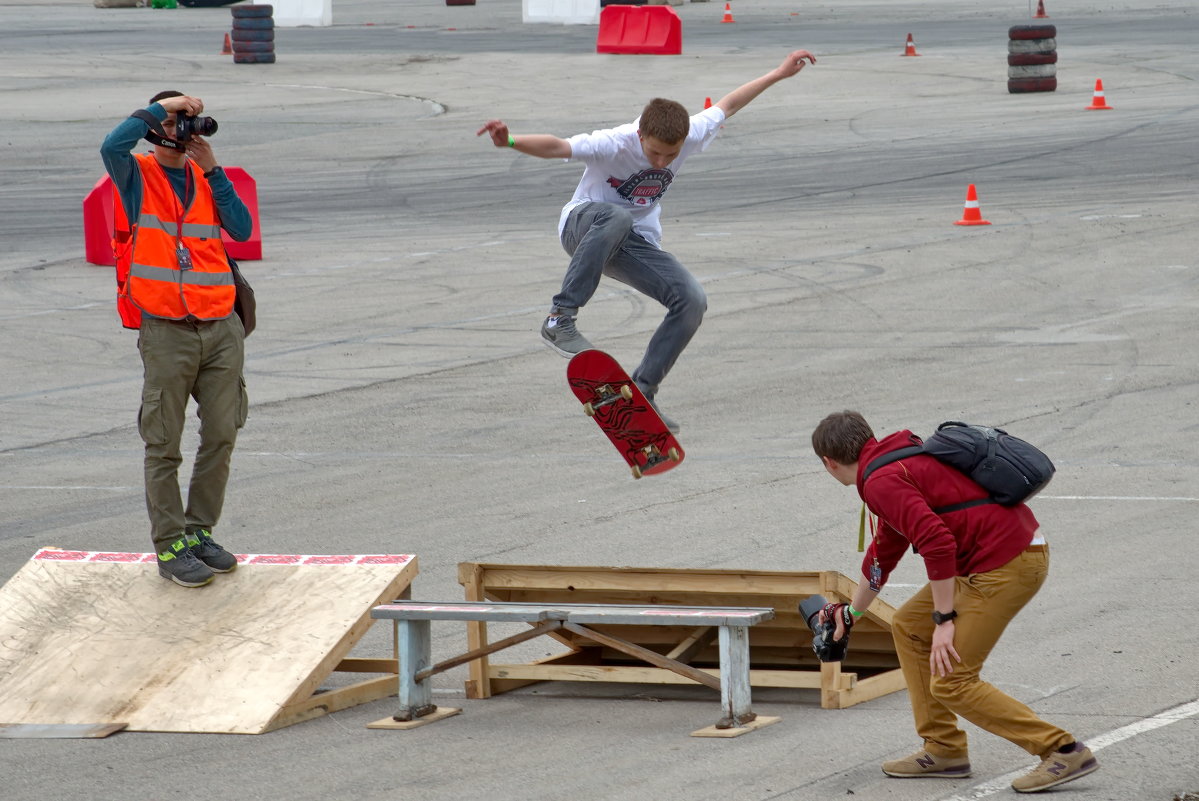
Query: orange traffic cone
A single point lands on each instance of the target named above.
(1040, 11)
(972, 215)
(707, 102)
(227, 50)
(910, 49)
(1099, 101)
(728, 14)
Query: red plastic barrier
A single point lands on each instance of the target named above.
(98, 221)
(649, 30)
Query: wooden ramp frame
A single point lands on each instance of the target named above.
(780, 649)
(100, 638)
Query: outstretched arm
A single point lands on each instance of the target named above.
(543, 146)
(740, 97)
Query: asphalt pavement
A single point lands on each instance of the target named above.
(401, 401)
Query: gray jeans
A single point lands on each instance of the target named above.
(202, 360)
(600, 240)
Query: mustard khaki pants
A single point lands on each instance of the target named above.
(985, 603)
(201, 360)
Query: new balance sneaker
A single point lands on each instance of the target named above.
(923, 765)
(181, 566)
(209, 552)
(561, 334)
(1058, 768)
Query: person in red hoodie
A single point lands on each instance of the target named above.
(984, 563)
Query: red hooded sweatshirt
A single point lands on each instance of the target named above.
(904, 493)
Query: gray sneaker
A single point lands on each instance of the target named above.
(560, 333)
(181, 566)
(209, 552)
(671, 425)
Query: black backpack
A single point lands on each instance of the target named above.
(1007, 467)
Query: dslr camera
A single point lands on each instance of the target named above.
(827, 649)
(187, 127)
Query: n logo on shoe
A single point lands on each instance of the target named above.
(1056, 769)
(925, 761)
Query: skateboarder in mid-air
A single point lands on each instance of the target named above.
(611, 225)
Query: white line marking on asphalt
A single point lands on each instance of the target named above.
(104, 489)
(1117, 498)
(1181, 712)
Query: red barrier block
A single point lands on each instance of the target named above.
(98, 220)
(648, 30)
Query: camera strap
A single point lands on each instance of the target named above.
(157, 135)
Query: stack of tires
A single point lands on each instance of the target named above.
(253, 34)
(1032, 58)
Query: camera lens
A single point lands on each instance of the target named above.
(205, 126)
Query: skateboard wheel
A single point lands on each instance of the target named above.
(626, 392)
(588, 410)
(673, 453)
(636, 471)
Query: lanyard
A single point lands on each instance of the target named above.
(862, 528)
(183, 256)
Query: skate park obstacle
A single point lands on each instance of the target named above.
(98, 639)
(413, 620)
(780, 649)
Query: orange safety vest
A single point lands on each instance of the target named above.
(148, 275)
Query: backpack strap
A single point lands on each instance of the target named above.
(893, 456)
(957, 507)
(915, 450)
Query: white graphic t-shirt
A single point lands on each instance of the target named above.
(618, 172)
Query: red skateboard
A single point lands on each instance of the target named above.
(617, 404)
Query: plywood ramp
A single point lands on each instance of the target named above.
(94, 638)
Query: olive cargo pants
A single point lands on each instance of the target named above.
(203, 360)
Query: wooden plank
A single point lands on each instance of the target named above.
(426, 610)
(615, 614)
(867, 689)
(646, 655)
(415, 638)
(697, 640)
(441, 713)
(362, 665)
(542, 628)
(501, 685)
(326, 702)
(750, 582)
(761, 721)
(230, 657)
(734, 676)
(629, 674)
(470, 576)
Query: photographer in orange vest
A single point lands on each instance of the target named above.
(176, 284)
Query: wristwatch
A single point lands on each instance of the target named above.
(939, 618)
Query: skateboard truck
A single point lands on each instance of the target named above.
(654, 457)
(608, 396)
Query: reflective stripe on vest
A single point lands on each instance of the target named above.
(156, 284)
(196, 230)
(189, 277)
